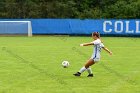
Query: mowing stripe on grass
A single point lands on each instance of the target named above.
(107, 68)
(52, 76)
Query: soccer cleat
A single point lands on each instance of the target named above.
(77, 74)
(90, 75)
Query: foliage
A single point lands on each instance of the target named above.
(69, 9)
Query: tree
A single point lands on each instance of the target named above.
(69, 9)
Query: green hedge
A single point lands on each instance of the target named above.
(70, 9)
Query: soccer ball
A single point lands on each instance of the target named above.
(65, 64)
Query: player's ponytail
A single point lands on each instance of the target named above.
(97, 34)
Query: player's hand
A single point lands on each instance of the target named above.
(81, 44)
(110, 53)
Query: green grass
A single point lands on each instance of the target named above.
(33, 65)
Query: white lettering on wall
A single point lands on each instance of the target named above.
(105, 26)
(137, 26)
(127, 27)
(117, 29)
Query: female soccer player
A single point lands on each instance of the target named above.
(98, 45)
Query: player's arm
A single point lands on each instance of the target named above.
(107, 50)
(87, 44)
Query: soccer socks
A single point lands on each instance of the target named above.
(82, 69)
(89, 70)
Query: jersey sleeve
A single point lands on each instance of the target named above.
(102, 45)
(96, 42)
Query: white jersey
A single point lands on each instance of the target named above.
(98, 45)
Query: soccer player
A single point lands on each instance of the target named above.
(98, 45)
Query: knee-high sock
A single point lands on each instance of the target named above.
(82, 69)
(89, 70)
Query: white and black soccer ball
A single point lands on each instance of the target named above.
(65, 64)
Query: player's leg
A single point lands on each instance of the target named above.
(90, 73)
(89, 63)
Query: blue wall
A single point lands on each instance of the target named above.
(86, 26)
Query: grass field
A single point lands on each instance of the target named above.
(33, 65)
